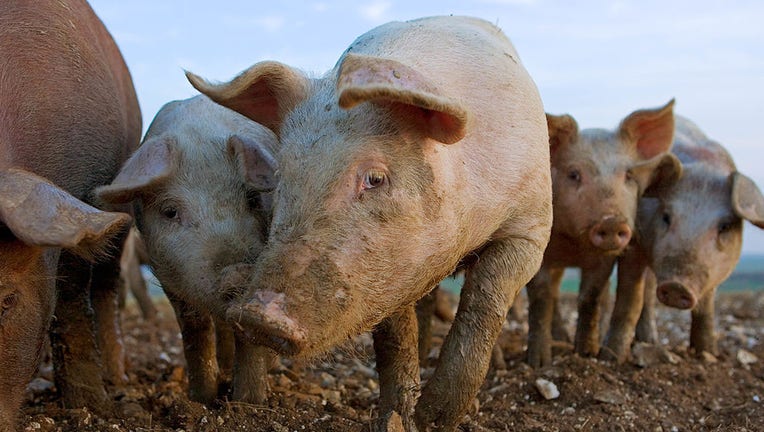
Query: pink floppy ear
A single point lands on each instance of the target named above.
(372, 79)
(149, 166)
(265, 92)
(41, 214)
(747, 201)
(651, 130)
(256, 163)
(563, 131)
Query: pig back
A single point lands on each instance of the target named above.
(502, 163)
(695, 150)
(70, 113)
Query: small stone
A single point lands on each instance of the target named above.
(707, 357)
(746, 357)
(39, 385)
(644, 355)
(609, 397)
(547, 389)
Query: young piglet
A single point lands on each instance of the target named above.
(598, 177)
(690, 235)
(197, 181)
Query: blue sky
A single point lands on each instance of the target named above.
(596, 60)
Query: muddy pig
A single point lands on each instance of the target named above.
(424, 145)
(68, 119)
(197, 181)
(690, 236)
(598, 176)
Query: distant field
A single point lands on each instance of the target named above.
(748, 276)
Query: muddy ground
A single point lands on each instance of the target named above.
(664, 388)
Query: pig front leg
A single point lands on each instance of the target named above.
(425, 309)
(627, 309)
(198, 332)
(646, 330)
(543, 298)
(104, 292)
(594, 284)
(76, 359)
(396, 349)
(702, 336)
(250, 371)
(490, 287)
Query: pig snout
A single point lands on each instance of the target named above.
(610, 234)
(676, 295)
(265, 322)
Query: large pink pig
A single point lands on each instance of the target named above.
(425, 146)
(68, 119)
(690, 236)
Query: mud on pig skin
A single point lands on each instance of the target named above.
(69, 118)
(425, 144)
(598, 176)
(690, 236)
(199, 181)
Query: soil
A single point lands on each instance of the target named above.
(663, 387)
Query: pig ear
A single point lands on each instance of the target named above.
(657, 174)
(265, 92)
(150, 165)
(747, 201)
(563, 130)
(256, 163)
(364, 78)
(41, 214)
(651, 130)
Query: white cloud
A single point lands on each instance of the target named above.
(375, 11)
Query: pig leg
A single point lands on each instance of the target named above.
(594, 283)
(543, 296)
(104, 292)
(646, 328)
(490, 288)
(250, 372)
(627, 308)
(225, 348)
(138, 287)
(198, 333)
(425, 309)
(76, 360)
(395, 346)
(559, 333)
(702, 337)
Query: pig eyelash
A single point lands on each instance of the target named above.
(373, 178)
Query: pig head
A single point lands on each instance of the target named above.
(692, 230)
(392, 168)
(37, 220)
(598, 176)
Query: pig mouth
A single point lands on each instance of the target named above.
(277, 332)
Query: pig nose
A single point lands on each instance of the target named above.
(676, 295)
(265, 322)
(610, 234)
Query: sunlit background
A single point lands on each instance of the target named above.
(597, 61)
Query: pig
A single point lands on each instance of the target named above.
(133, 256)
(199, 182)
(424, 148)
(69, 118)
(598, 176)
(690, 236)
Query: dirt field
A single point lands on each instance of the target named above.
(669, 391)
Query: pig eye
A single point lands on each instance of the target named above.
(666, 218)
(629, 176)
(374, 179)
(8, 303)
(574, 175)
(725, 227)
(170, 212)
